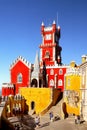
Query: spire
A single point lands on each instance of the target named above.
(57, 18)
(42, 24)
(58, 27)
(54, 22)
(35, 73)
(36, 64)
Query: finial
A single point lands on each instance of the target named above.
(42, 24)
(58, 27)
(54, 22)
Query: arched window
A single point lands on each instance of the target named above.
(19, 78)
(47, 54)
(32, 105)
(60, 82)
(51, 82)
(51, 72)
(60, 71)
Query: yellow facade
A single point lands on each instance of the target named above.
(39, 99)
(72, 93)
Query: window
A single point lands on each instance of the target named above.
(47, 54)
(60, 71)
(51, 82)
(66, 92)
(48, 37)
(60, 83)
(19, 78)
(51, 72)
(68, 82)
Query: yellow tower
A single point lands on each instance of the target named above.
(72, 90)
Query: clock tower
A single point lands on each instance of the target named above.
(50, 51)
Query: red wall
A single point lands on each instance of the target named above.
(59, 76)
(20, 67)
(6, 91)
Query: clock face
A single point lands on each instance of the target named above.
(48, 37)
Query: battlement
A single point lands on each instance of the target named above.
(73, 71)
(7, 85)
(20, 58)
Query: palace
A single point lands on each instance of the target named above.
(46, 72)
(43, 82)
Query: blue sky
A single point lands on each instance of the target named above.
(20, 24)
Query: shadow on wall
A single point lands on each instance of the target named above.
(59, 97)
(64, 110)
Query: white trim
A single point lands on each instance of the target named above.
(57, 66)
(19, 78)
(24, 61)
(55, 80)
(7, 85)
(53, 53)
(52, 82)
(48, 28)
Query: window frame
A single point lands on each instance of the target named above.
(19, 78)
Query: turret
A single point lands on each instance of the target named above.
(42, 28)
(59, 59)
(59, 29)
(50, 49)
(54, 26)
(84, 58)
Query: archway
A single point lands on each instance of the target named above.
(34, 83)
(40, 83)
(32, 105)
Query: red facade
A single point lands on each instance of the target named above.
(56, 77)
(50, 56)
(50, 49)
(23, 71)
(7, 89)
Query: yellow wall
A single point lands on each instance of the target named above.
(74, 82)
(72, 85)
(44, 98)
(41, 97)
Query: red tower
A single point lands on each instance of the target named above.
(20, 73)
(50, 51)
(50, 57)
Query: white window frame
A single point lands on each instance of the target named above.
(51, 82)
(51, 72)
(60, 71)
(19, 78)
(60, 82)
